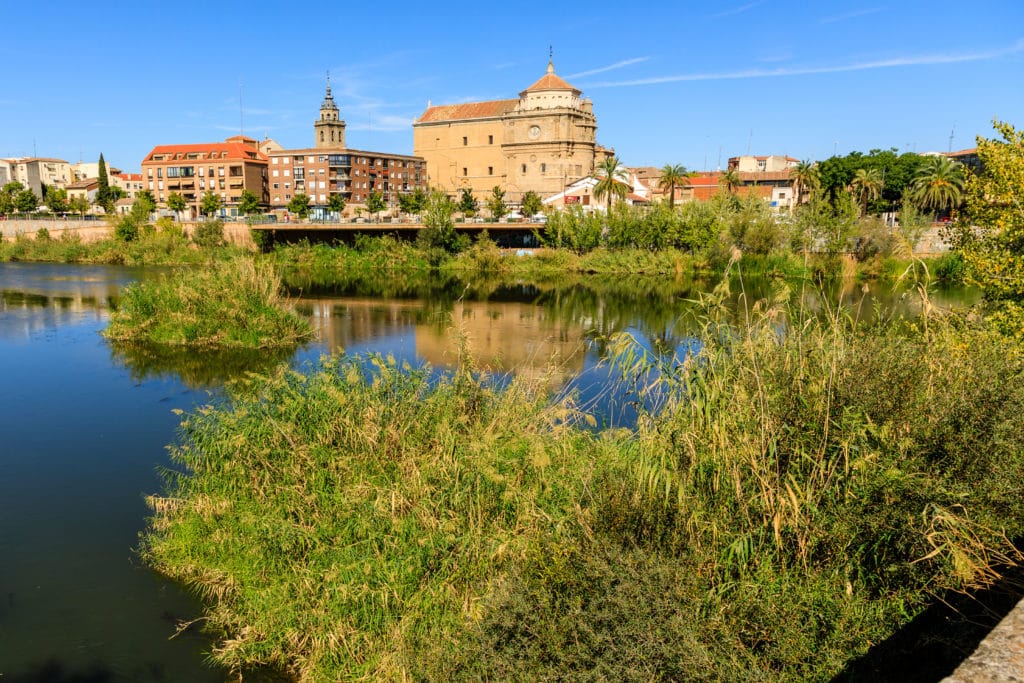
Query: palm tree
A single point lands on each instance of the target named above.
(938, 185)
(866, 185)
(671, 176)
(805, 179)
(612, 181)
(730, 180)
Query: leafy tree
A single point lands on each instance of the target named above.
(730, 180)
(805, 180)
(375, 203)
(209, 233)
(468, 204)
(57, 200)
(26, 201)
(176, 203)
(7, 194)
(148, 195)
(672, 176)
(248, 203)
(336, 203)
(990, 234)
(612, 182)
(938, 184)
(532, 203)
(299, 205)
(79, 205)
(413, 202)
(496, 203)
(210, 204)
(104, 197)
(438, 227)
(866, 185)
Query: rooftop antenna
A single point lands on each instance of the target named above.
(951, 134)
(241, 110)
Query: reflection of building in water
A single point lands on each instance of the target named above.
(26, 313)
(520, 337)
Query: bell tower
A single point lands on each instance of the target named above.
(329, 130)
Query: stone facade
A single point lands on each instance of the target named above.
(542, 141)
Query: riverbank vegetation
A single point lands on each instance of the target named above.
(783, 503)
(235, 303)
(798, 485)
(133, 242)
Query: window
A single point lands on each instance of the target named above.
(522, 168)
(490, 170)
(465, 141)
(160, 174)
(465, 171)
(490, 139)
(276, 186)
(287, 186)
(782, 195)
(310, 159)
(273, 160)
(274, 173)
(287, 172)
(543, 168)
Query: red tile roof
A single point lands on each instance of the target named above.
(237, 151)
(550, 81)
(468, 110)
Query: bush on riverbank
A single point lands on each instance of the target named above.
(164, 245)
(233, 303)
(788, 500)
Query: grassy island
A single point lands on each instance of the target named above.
(228, 304)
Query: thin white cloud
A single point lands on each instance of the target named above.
(920, 60)
(738, 10)
(851, 15)
(383, 123)
(611, 67)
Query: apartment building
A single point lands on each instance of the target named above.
(320, 172)
(224, 168)
(36, 172)
(330, 168)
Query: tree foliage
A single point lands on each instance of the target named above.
(299, 205)
(336, 203)
(210, 204)
(412, 202)
(938, 184)
(103, 194)
(176, 203)
(672, 176)
(248, 203)
(468, 205)
(375, 203)
(990, 235)
(612, 182)
(496, 203)
(532, 203)
(57, 199)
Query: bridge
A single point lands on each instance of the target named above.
(520, 233)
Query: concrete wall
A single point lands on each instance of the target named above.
(91, 231)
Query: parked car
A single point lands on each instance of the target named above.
(539, 218)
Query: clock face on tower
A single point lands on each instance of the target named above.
(534, 131)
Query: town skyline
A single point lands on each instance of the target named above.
(674, 86)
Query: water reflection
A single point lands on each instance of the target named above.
(194, 368)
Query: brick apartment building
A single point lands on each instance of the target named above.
(329, 168)
(224, 168)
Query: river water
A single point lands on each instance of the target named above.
(83, 430)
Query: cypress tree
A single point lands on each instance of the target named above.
(103, 189)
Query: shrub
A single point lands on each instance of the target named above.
(43, 235)
(209, 234)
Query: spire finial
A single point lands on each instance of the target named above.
(328, 82)
(551, 59)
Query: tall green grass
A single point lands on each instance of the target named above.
(228, 304)
(793, 493)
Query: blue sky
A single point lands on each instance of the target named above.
(672, 82)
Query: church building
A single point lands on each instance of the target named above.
(541, 141)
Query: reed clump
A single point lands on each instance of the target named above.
(228, 304)
(794, 491)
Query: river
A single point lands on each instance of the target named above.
(84, 430)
